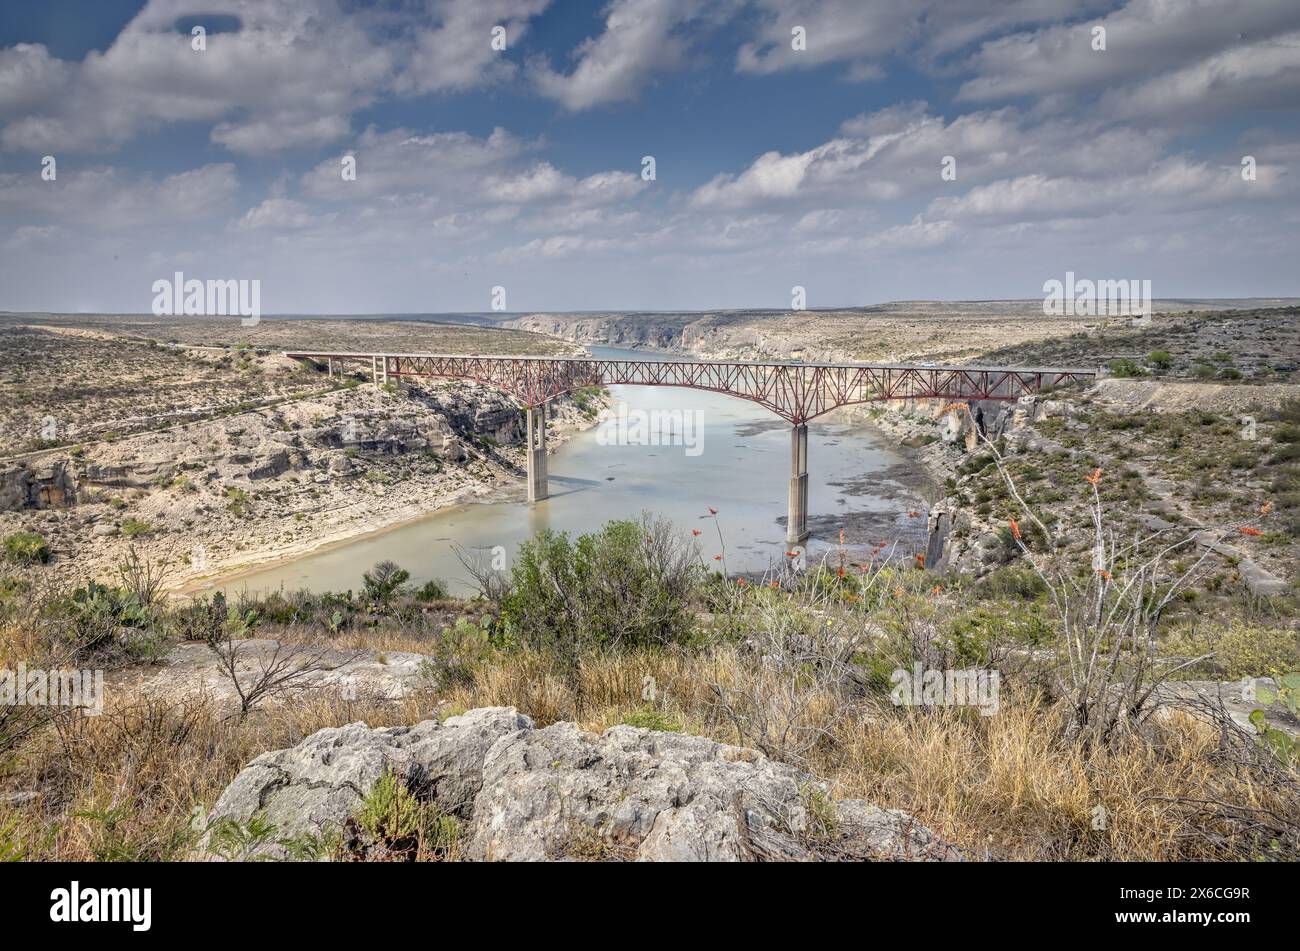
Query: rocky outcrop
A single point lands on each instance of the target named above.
(321, 782)
(561, 793)
(48, 485)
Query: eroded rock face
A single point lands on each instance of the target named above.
(561, 793)
(43, 487)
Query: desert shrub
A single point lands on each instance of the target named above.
(397, 824)
(135, 528)
(587, 399)
(981, 635)
(1240, 650)
(1010, 583)
(461, 652)
(626, 586)
(383, 583)
(1160, 359)
(1125, 368)
(26, 548)
(431, 590)
(101, 614)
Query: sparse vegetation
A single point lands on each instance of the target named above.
(26, 548)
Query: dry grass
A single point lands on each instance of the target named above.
(128, 785)
(1005, 786)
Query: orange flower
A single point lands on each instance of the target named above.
(695, 532)
(775, 584)
(898, 592)
(792, 554)
(841, 571)
(712, 510)
(1094, 478)
(1015, 529)
(740, 582)
(1247, 530)
(936, 589)
(1104, 573)
(913, 513)
(841, 536)
(717, 558)
(920, 560)
(1266, 508)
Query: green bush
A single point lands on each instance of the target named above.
(980, 634)
(431, 590)
(26, 548)
(1125, 368)
(134, 528)
(626, 586)
(384, 582)
(1010, 584)
(1240, 650)
(393, 818)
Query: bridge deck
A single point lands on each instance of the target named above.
(794, 391)
(797, 392)
(350, 355)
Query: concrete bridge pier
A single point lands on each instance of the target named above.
(535, 453)
(797, 523)
(379, 369)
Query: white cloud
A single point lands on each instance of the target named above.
(1176, 51)
(291, 76)
(642, 38)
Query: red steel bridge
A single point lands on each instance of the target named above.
(796, 392)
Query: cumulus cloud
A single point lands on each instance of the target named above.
(114, 200)
(1057, 155)
(641, 39)
(290, 75)
(1206, 51)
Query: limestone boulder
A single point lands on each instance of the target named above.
(561, 793)
(649, 796)
(319, 784)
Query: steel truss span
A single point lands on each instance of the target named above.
(796, 392)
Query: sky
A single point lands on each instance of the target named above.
(863, 150)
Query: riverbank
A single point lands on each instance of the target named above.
(206, 462)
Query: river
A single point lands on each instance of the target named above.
(735, 459)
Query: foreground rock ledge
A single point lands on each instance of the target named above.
(525, 794)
